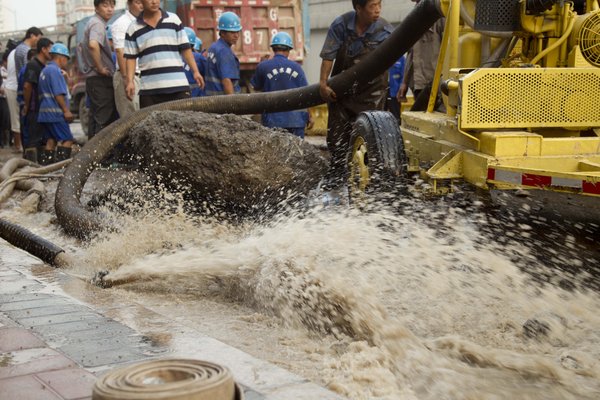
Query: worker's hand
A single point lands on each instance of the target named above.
(310, 124)
(68, 116)
(24, 111)
(401, 95)
(103, 71)
(130, 90)
(199, 79)
(327, 93)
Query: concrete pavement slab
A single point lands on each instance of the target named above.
(12, 339)
(26, 388)
(57, 319)
(69, 383)
(25, 362)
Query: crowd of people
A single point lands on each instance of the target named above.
(147, 56)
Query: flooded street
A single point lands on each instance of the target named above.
(411, 298)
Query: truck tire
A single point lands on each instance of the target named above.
(84, 114)
(377, 160)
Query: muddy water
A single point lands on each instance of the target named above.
(417, 299)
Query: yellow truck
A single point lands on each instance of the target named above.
(525, 126)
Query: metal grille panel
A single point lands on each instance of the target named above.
(530, 98)
(497, 15)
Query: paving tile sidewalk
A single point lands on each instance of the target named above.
(29, 369)
(54, 347)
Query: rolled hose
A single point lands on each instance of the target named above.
(78, 221)
(173, 379)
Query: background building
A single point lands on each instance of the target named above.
(8, 16)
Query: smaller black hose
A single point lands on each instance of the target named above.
(30, 242)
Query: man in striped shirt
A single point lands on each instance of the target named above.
(157, 39)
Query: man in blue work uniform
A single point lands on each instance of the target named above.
(195, 90)
(222, 66)
(54, 112)
(396, 76)
(33, 142)
(279, 73)
(351, 37)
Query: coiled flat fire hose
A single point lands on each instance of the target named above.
(174, 379)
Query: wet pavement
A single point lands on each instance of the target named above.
(53, 346)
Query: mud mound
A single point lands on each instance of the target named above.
(226, 159)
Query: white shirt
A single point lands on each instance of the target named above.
(11, 82)
(118, 29)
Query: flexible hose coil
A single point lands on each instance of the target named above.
(76, 220)
(173, 379)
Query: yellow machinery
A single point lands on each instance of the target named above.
(528, 119)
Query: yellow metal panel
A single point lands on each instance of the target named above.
(505, 144)
(494, 98)
(575, 146)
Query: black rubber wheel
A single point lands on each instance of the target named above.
(84, 114)
(377, 160)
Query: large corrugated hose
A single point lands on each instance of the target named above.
(31, 243)
(78, 221)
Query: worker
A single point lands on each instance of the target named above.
(157, 40)
(280, 73)
(34, 140)
(222, 66)
(351, 37)
(118, 30)
(420, 66)
(54, 113)
(396, 73)
(98, 63)
(195, 90)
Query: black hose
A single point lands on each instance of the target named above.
(30, 242)
(76, 220)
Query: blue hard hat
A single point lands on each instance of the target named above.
(282, 39)
(198, 44)
(229, 21)
(59, 48)
(108, 32)
(190, 34)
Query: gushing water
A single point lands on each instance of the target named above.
(430, 302)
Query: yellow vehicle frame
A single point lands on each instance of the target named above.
(533, 123)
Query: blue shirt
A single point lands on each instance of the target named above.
(221, 63)
(342, 27)
(20, 84)
(279, 73)
(396, 76)
(51, 84)
(158, 52)
(189, 73)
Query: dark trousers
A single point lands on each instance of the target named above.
(422, 99)
(35, 131)
(4, 122)
(393, 106)
(339, 127)
(147, 100)
(103, 110)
